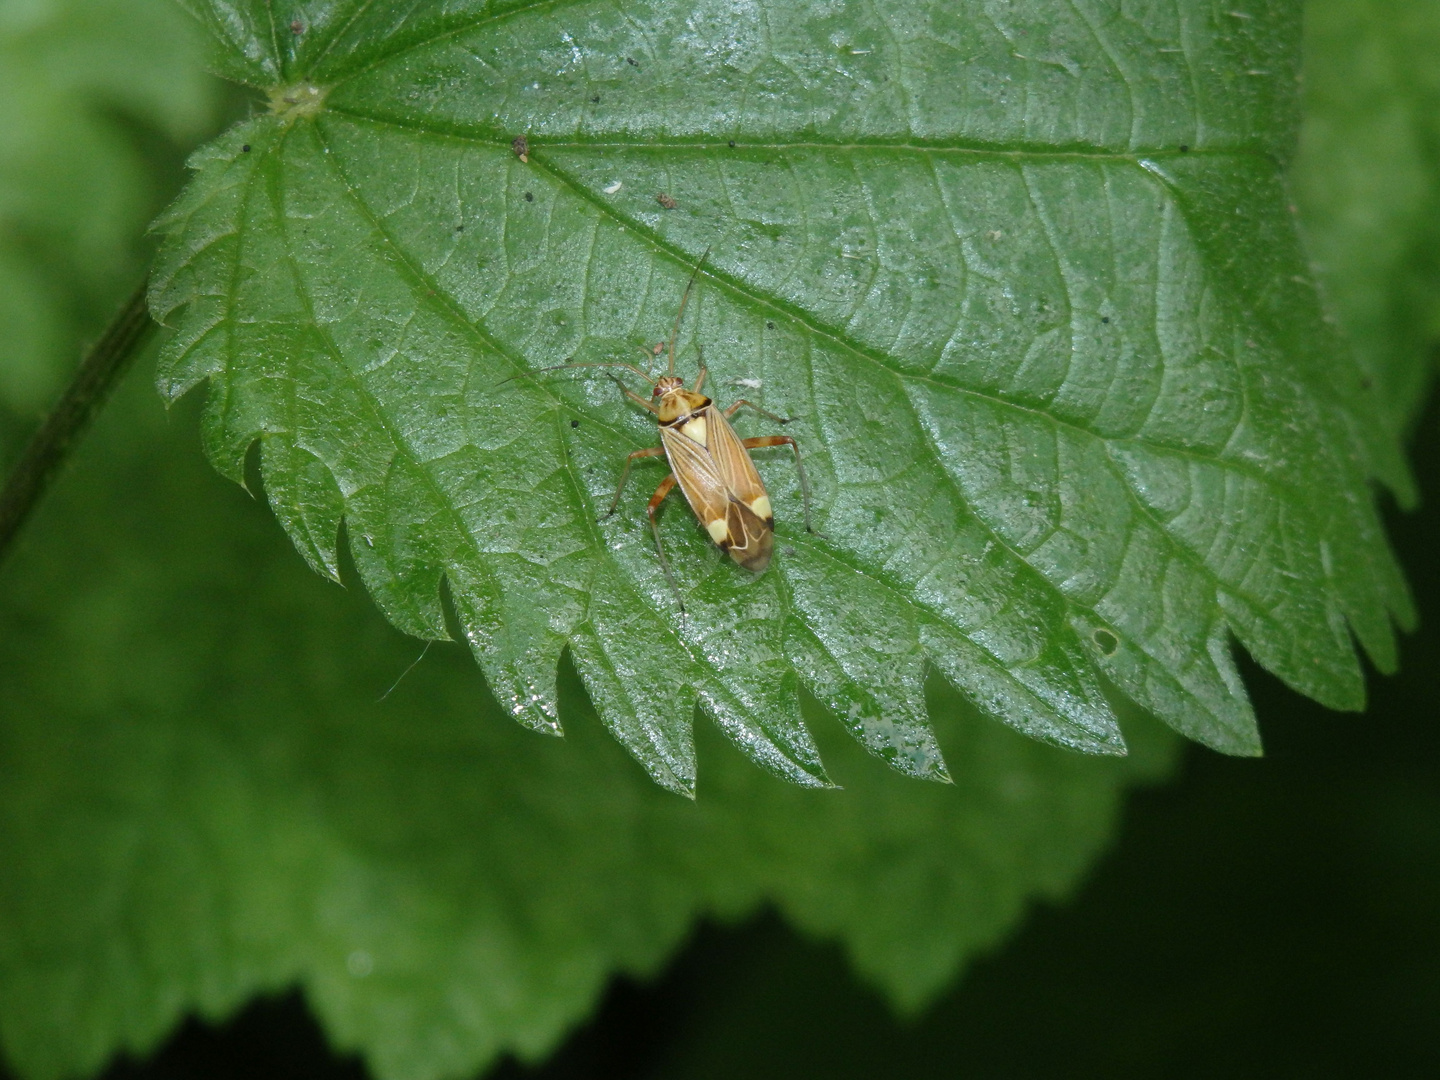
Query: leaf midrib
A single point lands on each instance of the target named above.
(1017, 150)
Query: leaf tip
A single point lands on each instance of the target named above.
(537, 716)
(819, 781)
(680, 787)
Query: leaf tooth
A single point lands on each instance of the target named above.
(746, 682)
(1055, 495)
(193, 282)
(1264, 554)
(396, 564)
(640, 680)
(879, 698)
(511, 636)
(306, 499)
(1055, 698)
(1201, 696)
(1171, 643)
(771, 735)
(1361, 564)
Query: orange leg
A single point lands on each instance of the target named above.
(666, 486)
(785, 440)
(733, 409)
(654, 451)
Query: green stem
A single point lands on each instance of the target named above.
(103, 366)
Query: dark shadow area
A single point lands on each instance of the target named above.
(1269, 918)
(275, 1038)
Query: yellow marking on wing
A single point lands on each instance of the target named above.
(761, 506)
(718, 529)
(696, 430)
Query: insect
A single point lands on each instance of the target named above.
(710, 463)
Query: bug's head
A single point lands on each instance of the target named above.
(667, 384)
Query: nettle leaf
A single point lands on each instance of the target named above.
(1027, 279)
(203, 800)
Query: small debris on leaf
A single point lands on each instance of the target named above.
(666, 201)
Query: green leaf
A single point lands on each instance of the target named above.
(1027, 279)
(86, 88)
(204, 800)
(1367, 180)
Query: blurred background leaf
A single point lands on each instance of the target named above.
(98, 103)
(1367, 181)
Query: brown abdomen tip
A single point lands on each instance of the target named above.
(755, 557)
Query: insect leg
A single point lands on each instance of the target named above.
(633, 396)
(654, 451)
(730, 412)
(666, 486)
(785, 440)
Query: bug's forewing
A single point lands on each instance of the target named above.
(737, 471)
(730, 522)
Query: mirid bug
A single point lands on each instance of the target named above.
(709, 462)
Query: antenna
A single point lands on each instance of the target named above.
(561, 367)
(685, 299)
